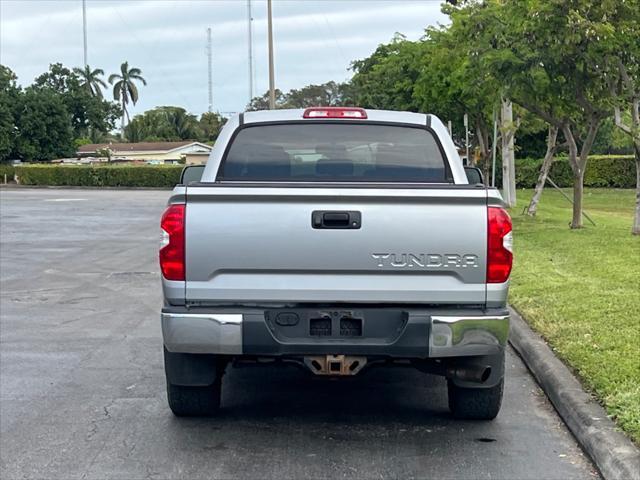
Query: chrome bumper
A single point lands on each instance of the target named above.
(467, 335)
(449, 335)
(219, 333)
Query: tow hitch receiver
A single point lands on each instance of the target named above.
(338, 365)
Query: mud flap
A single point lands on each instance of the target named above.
(191, 369)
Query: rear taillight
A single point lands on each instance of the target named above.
(172, 247)
(499, 245)
(334, 112)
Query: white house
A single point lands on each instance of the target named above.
(161, 152)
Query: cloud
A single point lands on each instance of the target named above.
(315, 41)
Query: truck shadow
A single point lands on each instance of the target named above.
(290, 394)
(280, 422)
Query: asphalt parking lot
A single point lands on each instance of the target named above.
(82, 383)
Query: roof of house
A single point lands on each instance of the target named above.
(139, 147)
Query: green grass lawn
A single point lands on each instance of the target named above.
(581, 290)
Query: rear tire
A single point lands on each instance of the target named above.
(194, 383)
(475, 403)
(194, 401)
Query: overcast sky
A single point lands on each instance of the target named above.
(314, 42)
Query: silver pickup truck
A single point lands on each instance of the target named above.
(336, 239)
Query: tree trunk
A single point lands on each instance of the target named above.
(508, 153)
(578, 176)
(579, 164)
(578, 190)
(636, 219)
(124, 112)
(482, 131)
(633, 131)
(544, 170)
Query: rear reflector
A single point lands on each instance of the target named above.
(172, 248)
(499, 245)
(334, 112)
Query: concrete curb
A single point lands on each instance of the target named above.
(614, 454)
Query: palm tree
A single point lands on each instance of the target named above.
(183, 124)
(125, 87)
(91, 80)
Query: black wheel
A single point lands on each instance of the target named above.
(194, 401)
(475, 403)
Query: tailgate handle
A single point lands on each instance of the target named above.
(336, 219)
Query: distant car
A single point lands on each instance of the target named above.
(338, 239)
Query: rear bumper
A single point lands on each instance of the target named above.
(425, 334)
(219, 333)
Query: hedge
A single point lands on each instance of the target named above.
(162, 176)
(8, 170)
(613, 171)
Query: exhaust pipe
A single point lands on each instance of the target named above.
(470, 373)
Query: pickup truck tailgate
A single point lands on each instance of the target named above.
(248, 245)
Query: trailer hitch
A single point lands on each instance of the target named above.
(338, 365)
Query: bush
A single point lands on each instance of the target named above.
(612, 171)
(161, 176)
(8, 170)
(618, 171)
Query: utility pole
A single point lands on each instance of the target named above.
(210, 74)
(84, 30)
(250, 41)
(272, 88)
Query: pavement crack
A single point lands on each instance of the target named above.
(105, 408)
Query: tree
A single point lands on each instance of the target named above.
(58, 79)
(98, 116)
(262, 103)
(552, 59)
(473, 30)
(8, 83)
(632, 128)
(9, 97)
(459, 84)
(182, 124)
(136, 130)
(91, 116)
(124, 88)
(438, 74)
(210, 125)
(552, 147)
(626, 87)
(166, 123)
(6, 129)
(508, 130)
(43, 126)
(387, 78)
(90, 79)
(325, 95)
(452, 82)
(328, 94)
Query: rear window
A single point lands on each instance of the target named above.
(317, 152)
